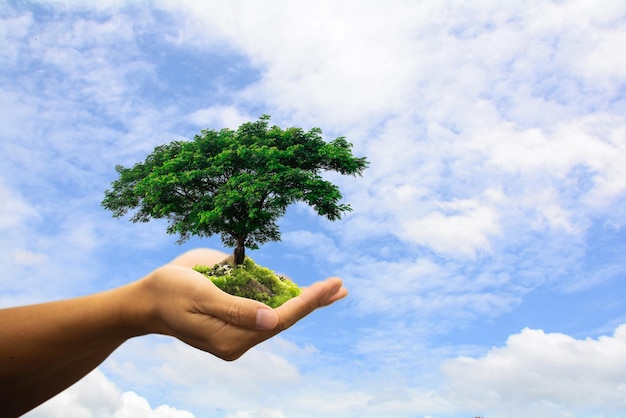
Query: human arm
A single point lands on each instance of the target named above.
(45, 348)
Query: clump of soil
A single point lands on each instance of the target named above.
(251, 281)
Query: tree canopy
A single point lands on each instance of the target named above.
(234, 183)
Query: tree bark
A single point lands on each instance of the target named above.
(240, 253)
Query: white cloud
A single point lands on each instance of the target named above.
(21, 256)
(538, 373)
(543, 375)
(13, 29)
(218, 117)
(463, 228)
(263, 413)
(203, 381)
(275, 379)
(14, 210)
(320, 244)
(71, 112)
(134, 406)
(95, 396)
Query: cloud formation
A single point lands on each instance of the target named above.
(97, 397)
(537, 373)
(543, 374)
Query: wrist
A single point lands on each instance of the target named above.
(135, 308)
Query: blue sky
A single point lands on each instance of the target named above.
(484, 255)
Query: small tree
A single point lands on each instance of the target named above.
(234, 183)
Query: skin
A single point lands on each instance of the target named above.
(47, 347)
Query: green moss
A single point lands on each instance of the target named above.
(251, 281)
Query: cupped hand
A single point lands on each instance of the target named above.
(182, 303)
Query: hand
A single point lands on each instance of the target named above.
(47, 347)
(184, 304)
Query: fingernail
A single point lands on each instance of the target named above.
(266, 319)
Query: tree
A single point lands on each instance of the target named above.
(235, 183)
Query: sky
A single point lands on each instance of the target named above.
(484, 252)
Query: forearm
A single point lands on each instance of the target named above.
(46, 348)
(25, 394)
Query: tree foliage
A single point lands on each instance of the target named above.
(234, 183)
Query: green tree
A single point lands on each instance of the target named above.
(235, 183)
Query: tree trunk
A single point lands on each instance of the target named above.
(240, 253)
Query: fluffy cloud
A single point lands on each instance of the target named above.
(534, 373)
(14, 210)
(277, 379)
(263, 413)
(205, 382)
(461, 227)
(543, 375)
(218, 117)
(97, 397)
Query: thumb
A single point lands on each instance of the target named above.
(266, 319)
(246, 313)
